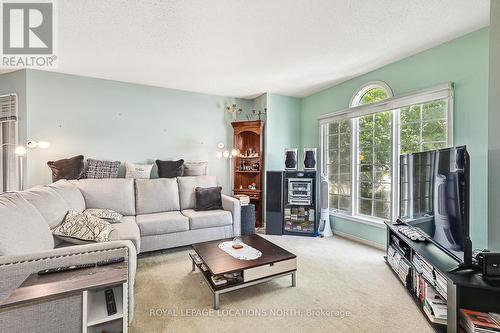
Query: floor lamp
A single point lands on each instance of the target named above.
(21, 152)
(229, 156)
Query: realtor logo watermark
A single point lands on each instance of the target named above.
(28, 34)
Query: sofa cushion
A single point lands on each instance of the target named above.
(114, 193)
(70, 193)
(187, 186)
(127, 229)
(156, 195)
(98, 169)
(142, 171)
(208, 219)
(208, 198)
(169, 169)
(82, 228)
(24, 229)
(107, 215)
(162, 223)
(48, 203)
(69, 168)
(195, 169)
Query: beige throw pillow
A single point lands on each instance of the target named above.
(106, 214)
(138, 171)
(195, 168)
(80, 228)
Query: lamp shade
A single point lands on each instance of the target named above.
(20, 151)
(43, 144)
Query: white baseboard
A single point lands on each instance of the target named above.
(359, 240)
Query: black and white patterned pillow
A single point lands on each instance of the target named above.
(102, 169)
(106, 214)
(80, 228)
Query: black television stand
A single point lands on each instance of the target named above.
(465, 288)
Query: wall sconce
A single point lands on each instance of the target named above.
(234, 110)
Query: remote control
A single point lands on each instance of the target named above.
(65, 268)
(110, 302)
(413, 233)
(110, 261)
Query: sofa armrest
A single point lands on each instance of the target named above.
(14, 269)
(233, 205)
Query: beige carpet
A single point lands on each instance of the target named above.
(342, 286)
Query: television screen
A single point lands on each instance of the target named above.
(433, 195)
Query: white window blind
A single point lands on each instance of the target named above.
(8, 108)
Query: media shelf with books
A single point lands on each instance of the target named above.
(415, 273)
(440, 295)
(419, 277)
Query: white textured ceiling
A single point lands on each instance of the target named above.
(247, 47)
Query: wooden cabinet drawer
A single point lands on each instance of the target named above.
(268, 270)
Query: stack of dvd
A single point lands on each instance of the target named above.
(441, 284)
(399, 263)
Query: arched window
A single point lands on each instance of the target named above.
(372, 92)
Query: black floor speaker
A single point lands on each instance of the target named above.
(274, 203)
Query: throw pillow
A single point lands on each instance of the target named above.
(169, 169)
(102, 169)
(209, 198)
(80, 228)
(138, 171)
(195, 169)
(106, 214)
(69, 168)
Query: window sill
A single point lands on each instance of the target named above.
(371, 222)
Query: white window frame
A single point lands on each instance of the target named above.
(358, 95)
(394, 104)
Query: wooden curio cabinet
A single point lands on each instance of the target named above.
(248, 165)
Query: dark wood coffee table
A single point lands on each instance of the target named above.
(275, 262)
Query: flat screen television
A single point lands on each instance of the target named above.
(434, 196)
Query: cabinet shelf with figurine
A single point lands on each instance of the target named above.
(248, 164)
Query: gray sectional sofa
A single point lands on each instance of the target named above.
(158, 214)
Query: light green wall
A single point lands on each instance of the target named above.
(493, 131)
(113, 120)
(282, 128)
(463, 61)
